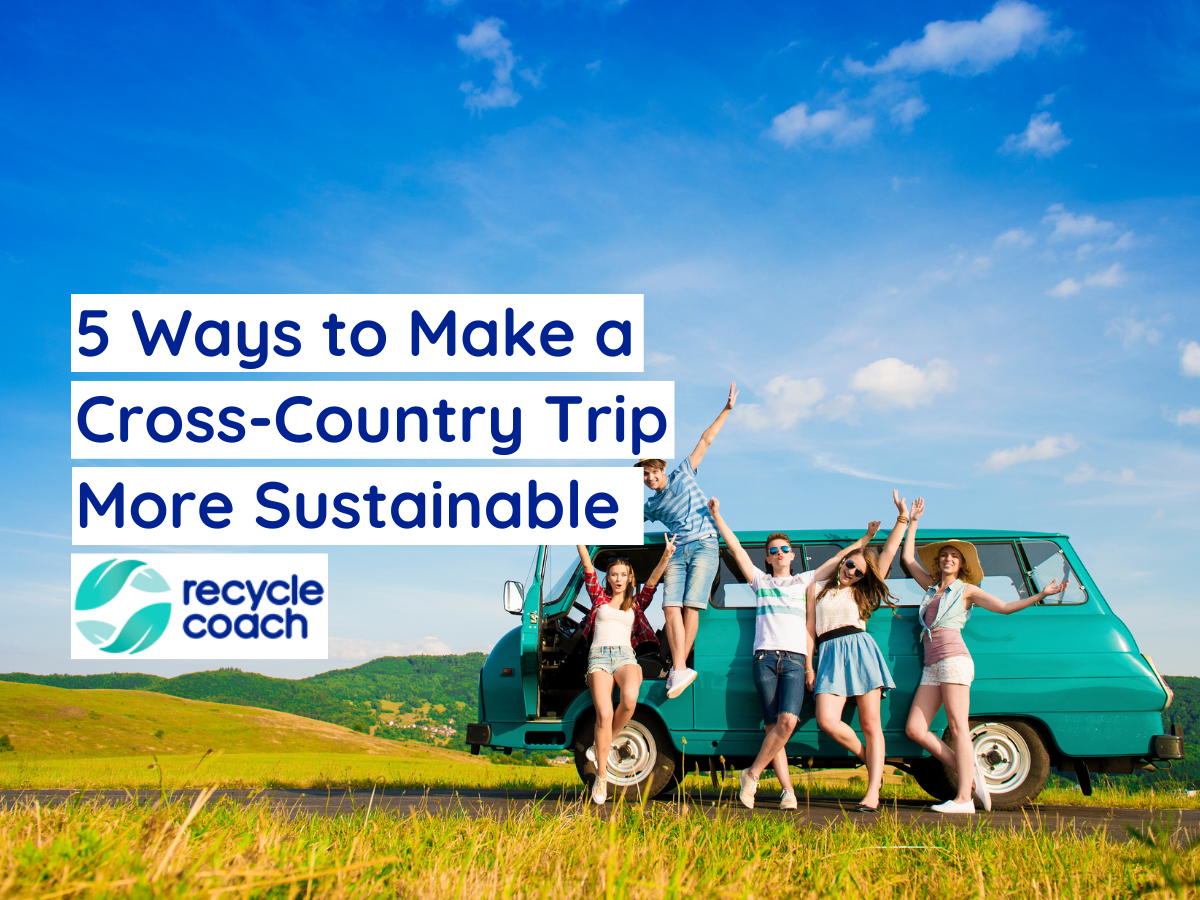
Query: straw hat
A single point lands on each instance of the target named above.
(929, 555)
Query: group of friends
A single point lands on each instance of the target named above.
(809, 635)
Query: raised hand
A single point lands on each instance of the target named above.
(1053, 588)
(901, 504)
(669, 546)
(733, 394)
(918, 508)
(872, 529)
(714, 506)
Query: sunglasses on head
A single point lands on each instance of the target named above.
(618, 559)
(782, 548)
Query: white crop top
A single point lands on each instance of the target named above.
(837, 609)
(613, 627)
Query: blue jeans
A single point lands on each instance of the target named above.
(609, 659)
(689, 577)
(779, 677)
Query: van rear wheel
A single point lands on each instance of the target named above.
(1014, 762)
(641, 760)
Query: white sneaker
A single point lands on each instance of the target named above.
(749, 787)
(681, 682)
(600, 791)
(980, 790)
(591, 754)
(952, 807)
(788, 801)
(670, 682)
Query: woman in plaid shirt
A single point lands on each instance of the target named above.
(616, 623)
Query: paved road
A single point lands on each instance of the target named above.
(818, 813)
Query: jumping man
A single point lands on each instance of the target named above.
(680, 505)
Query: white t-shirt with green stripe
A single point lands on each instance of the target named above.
(779, 623)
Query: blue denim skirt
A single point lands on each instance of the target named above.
(850, 666)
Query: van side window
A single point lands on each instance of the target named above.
(1047, 563)
(1003, 575)
(732, 591)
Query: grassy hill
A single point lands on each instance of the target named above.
(408, 690)
(47, 721)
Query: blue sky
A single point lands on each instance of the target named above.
(947, 247)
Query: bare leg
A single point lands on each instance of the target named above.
(829, 718)
(872, 729)
(926, 703)
(676, 635)
(629, 679)
(773, 749)
(601, 685)
(958, 711)
(691, 624)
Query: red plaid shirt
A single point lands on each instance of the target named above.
(642, 632)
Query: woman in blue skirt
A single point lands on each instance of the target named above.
(849, 662)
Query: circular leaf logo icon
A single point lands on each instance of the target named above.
(105, 583)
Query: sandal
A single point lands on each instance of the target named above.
(862, 807)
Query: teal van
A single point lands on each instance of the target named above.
(1061, 684)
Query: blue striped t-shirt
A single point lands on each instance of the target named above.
(681, 506)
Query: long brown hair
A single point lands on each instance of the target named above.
(631, 588)
(870, 592)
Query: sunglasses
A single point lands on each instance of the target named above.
(851, 568)
(782, 548)
(618, 559)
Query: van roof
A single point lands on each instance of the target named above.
(924, 536)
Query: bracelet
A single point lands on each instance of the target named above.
(901, 520)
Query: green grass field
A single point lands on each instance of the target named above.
(560, 852)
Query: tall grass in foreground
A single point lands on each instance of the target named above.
(559, 851)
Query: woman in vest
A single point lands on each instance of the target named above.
(950, 592)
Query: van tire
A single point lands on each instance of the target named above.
(1014, 761)
(649, 770)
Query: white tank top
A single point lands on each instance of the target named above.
(837, 609)
(613, 627)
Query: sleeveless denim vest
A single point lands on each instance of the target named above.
(952, 612)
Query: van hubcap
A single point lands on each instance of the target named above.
(1002, 754)
(631, 756)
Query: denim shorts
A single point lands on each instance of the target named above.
(609, 659)
(689, 576)
(779, 677)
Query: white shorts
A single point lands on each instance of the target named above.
(951, 670)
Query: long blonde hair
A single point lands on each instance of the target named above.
(870, 592)
(631, 589)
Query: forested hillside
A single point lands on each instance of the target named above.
(422, 692)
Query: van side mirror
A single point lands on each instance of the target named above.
(514, 597)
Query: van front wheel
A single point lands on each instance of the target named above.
(1013, 758)
(641, 760)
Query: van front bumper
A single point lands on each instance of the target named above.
(1166, 746)
(478, 736)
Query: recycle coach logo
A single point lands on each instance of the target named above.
(124, 581)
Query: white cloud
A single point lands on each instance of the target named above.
(1189, 363)
(659, 359)
(1131, 331)
(1113, 276)
(786, 401)
(898, 182)
(1047, 100)
(1042, 137)
(1068, 226)
(835, 126)
(969, 47)
(1015, 237)
(485, 42)
(896, 383)
(1084, 473)
(593, 66)
(1188, 417)
(1065, 288)
(908, 111)
(1047, 448)
(357, 648)
(829, 465)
